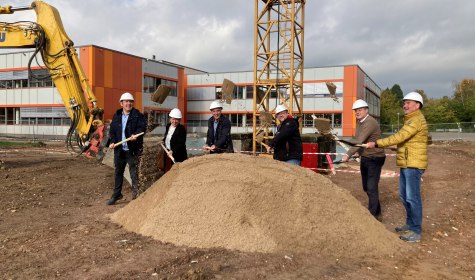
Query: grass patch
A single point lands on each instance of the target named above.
(19, 144)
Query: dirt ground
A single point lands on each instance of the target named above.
(54, 223)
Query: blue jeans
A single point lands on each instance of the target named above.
(293, 161)
(410, 195)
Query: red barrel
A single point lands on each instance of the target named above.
(310, 161)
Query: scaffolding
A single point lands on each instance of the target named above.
(278, 63)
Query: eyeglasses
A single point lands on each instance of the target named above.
(129, 101)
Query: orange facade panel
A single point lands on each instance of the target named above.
(350, 95)
(181, 93)
(110, 74)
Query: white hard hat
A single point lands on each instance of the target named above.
(280, 108)
(414, 96)
(215, 104)
(359, 104)
(175, 113)
(126, 96)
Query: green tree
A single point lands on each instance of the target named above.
(439, 111)
(463, 102)
(390, 107)
(397, 91)
(423, 94)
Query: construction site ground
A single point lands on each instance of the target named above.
(54, 223)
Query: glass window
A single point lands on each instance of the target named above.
(238, 92)
(249, 120)
(56, 121)
(307, 120)
(337, 120)
(219, 93)
(249, 92)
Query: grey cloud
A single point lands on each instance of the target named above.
(424, 44)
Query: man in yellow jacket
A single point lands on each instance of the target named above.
(411, 143)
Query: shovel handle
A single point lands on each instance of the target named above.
(352, 144)
(268, 148)
(128, 139)
(167, 152)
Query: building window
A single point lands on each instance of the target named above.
(335, 119)
(236, 119)
(150, 84)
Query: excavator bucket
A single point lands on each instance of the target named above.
(160, 94)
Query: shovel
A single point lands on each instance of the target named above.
(168, 152)
(128, 139)
(352, 144)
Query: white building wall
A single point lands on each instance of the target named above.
(159, 69)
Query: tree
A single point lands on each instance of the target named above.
(423, 94)
(463, 102)
(397, 91)
(390, 107)
(439, 111)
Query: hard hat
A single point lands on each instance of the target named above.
(215, 104)
(414, 96)
(359, 104)
(175, 113)
(280, 108)
(126, 96)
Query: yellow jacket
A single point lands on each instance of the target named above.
(411, 142)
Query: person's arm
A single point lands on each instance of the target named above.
(112, 132)
(404, 134)
(285, 132)
(365, 131)
(351, 152)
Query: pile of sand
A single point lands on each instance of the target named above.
(255, 204)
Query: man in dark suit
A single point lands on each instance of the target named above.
(127, 122)
(218, 139)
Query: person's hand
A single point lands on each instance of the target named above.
(212, 148)
(268, 148)
(112, 146)
(132, 138)
(206, 147)
(345, 158)
(370, 145)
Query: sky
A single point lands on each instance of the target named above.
(418, 44)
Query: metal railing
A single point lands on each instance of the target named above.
(442, 131)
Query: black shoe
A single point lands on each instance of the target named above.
(379, 217)
(113, 200)
(402, 229)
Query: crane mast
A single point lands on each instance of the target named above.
(278, 62)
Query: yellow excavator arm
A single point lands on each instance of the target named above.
(49, 39)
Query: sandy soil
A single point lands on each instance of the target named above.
(54, 223)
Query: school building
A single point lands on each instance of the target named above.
(31, 107)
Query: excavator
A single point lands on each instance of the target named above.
(87, 133)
